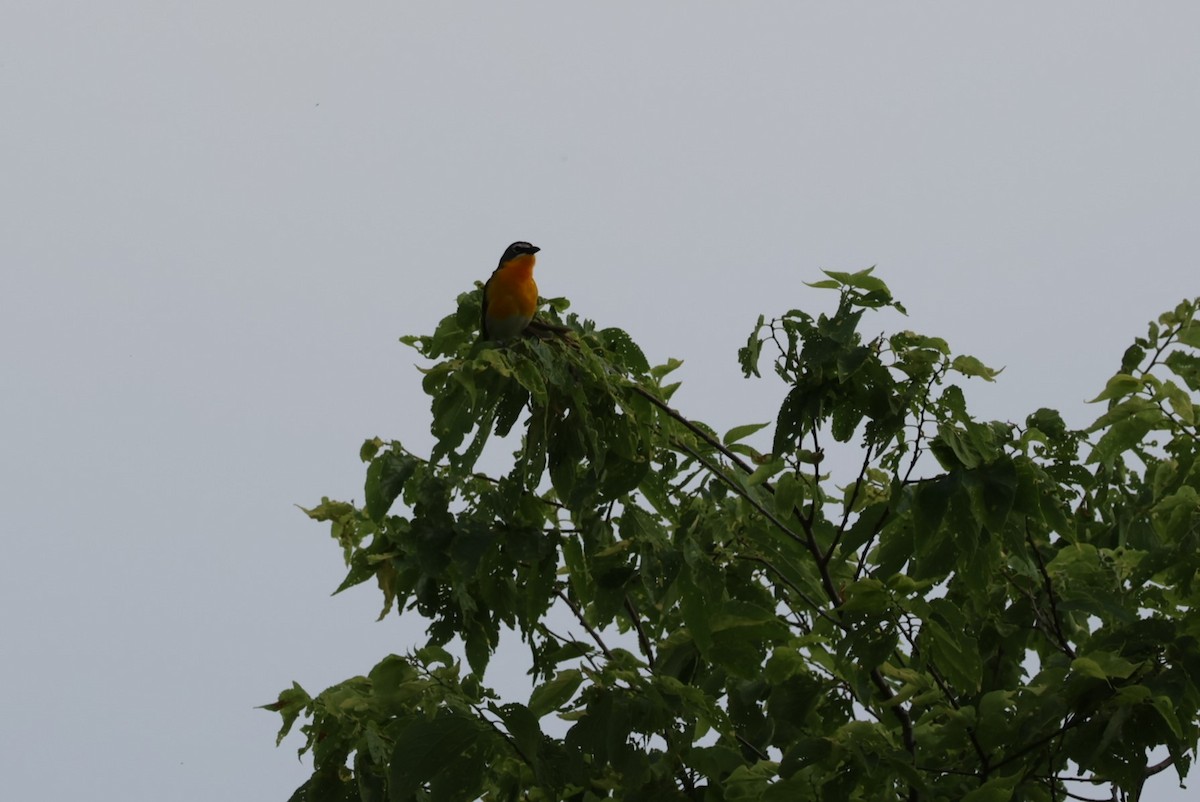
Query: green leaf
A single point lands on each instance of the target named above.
(862, 280)
(329, 510)
(478, 648)
(741, 632)
(627, 352)
(659, 371)
(531, 380)
(1119, 386)
(910, 339)
(369, 449)
(428, 749)
(871, 646)
(602, 731)
(1121, 437)
(698, 588)
(1088, 667)
(462, 782)
(805, 752)
(1189, 335)
(1165, 707)
(785, 662)
(996, 789)
(742, 432)
(361, 569)
(715, 761)
(896, 546)
(523, 728)
(993, 495)
(954, 650)
(995, 718)
(937, 552)
(930, 501)
(797, 415)
(787, 494)
(1131, 409)
(551, 695)
(970, 366)
(1048, 421)
(764, 472)
(289, 705)
(1102, 665)
(748, 783)
(1180, 401)
(960, 444)
(1185, 366)
(865, 596)
(748, 354)
(1134, 355)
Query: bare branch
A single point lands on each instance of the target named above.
(1160, 766)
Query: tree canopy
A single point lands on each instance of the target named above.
(977, 610)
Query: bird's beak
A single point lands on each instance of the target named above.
(535, 249)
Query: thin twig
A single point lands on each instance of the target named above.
(810, 601)
(479, 712)
(561, 639)
(643, 641)
(866, 547)
(901, 712)
(1194, 433)
(741, 491)
(984, 759)
(862, 475)
(1054, 617)
(1085, 798)
(694, 429)
(579, 616)
(1070, 724)
(744, 742)
(885, 691)
(812, 508)
(1167, 340)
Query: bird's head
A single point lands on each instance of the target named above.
(518, 249)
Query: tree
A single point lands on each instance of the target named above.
(975, 611)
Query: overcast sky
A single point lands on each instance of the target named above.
(217, 219)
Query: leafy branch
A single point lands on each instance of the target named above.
(947, 628)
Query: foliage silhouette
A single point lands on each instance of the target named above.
(978, 611)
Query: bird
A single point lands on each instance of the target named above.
(510, 296)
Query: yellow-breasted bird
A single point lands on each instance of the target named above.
(510, 295)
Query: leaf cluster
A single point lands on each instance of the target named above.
(976, 610)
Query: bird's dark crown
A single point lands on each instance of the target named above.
(517, 249)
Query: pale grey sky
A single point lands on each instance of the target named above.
(217, 218)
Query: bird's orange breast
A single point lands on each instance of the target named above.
(512, 291)
(510, 298)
